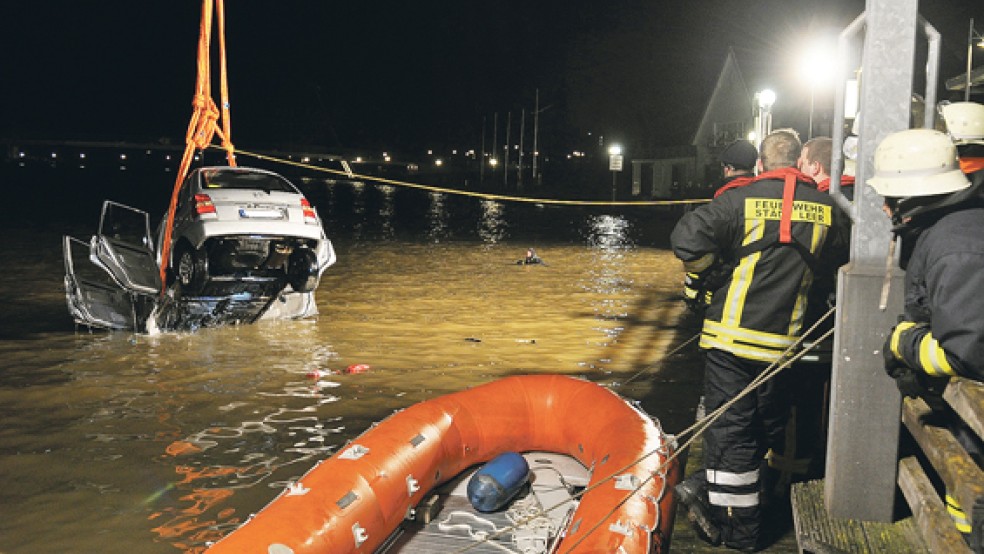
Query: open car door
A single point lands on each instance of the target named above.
(94, 298)
(124, 248)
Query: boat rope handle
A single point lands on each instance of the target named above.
(695, 430)
(204, 118)
(473, 194)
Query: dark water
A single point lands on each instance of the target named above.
(127, 443)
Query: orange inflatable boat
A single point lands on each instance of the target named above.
(359, 498)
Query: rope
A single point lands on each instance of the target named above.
(696, 429)
(472, 194)
(660, 363)
(204, 118)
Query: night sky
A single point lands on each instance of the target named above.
(415, 75)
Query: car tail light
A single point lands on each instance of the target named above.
(204, 206)
(309, 215)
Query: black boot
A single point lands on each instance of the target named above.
(692, 491)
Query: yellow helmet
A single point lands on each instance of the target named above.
(917, 162)
(964, 121)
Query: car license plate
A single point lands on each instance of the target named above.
(261, 213)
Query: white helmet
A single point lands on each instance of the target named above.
(917, 162)
(964, 121)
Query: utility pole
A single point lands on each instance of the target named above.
(481, 158)
(495, 140)
(505, 161)
(522, 132)
(536, 136)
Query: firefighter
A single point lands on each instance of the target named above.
(939, 215)
(964, 122)
(815, 162)
(737, 165)
(755, 249)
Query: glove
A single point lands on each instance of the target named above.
(911, 382)
(695, 293)
(890, 350)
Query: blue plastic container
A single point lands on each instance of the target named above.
(498, 481)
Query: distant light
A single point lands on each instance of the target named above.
(168, 157)
(386, 157)
(122, 156)
(615, 150)
(430, 152)
(54, 154)
(386, 154)
(439, 162)
(752, 136)
(766, 98)
(306, 159)
(21, 155)
(454, 152)
(493, 162)
(82, 155)
(148, 152)
(358, 159)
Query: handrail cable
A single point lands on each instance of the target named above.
(482, 195)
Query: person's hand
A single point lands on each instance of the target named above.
(910, 381)
(893, 363)
(695, 293)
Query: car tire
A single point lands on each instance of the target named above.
(302, 270)
(190, 269)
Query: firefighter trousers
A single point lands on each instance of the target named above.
(735, 445)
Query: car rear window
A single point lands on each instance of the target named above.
(212, 180)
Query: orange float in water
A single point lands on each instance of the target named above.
(357, 368)
(355, 500)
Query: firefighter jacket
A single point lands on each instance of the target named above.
(944, 280)
(729, 183)
(772, 235)
(847, 186)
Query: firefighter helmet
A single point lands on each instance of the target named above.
(917, 162)
(964, 121)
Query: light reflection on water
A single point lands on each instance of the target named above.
(114, 442)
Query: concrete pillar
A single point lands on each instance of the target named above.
(862, 449)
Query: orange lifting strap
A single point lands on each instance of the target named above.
(204, 119)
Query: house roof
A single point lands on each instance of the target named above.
(730, 90)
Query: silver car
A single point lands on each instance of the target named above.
(245, 245)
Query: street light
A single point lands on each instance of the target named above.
(614, 164)
(817, 67)
(972, 35)
(765, 100)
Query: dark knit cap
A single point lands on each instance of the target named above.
(740, 154)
